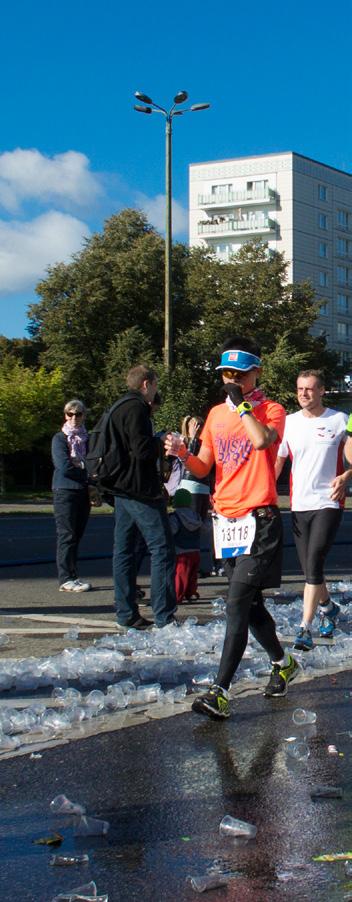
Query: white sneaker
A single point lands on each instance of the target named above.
(75, 585)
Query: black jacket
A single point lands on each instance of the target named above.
(139, 450)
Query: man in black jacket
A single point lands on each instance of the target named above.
(140, 505)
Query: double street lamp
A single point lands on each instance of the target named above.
(152, 107)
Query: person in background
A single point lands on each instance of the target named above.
(315, 438)
(199, 488)
(185, 527)
(71, 494)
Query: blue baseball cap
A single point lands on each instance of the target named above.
(239, 360)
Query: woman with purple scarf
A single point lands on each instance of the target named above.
(71, 496)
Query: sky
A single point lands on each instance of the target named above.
(73, 151)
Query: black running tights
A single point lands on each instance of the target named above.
(246, 610)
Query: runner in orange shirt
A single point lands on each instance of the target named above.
(241, 436)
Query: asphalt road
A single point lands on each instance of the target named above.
(164, 787)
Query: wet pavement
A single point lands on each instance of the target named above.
(165, 782)
(164, 787)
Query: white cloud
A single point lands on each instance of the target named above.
(30, 175)
(27, 248)
(154, 207)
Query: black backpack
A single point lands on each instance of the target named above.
(103, 460)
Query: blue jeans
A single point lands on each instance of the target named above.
(150, 517)
(71, 512)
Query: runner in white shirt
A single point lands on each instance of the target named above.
(315, 440)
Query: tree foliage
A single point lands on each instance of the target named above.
(104, 312)
(31, 405)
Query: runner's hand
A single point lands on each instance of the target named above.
(234, 392)
(338, 488)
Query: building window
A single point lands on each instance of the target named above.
(342, 303)
(342, 331)
(323, 309)
(323, 249)
(323, 279)
(342, 247)
(342, 275)
(342, 219)
(323, 221)
(322, 192)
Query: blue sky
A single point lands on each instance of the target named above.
(73, 151)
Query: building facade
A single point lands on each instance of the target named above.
(299, 207)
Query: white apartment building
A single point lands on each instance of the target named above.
(299, 207)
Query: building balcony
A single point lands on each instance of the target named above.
(245, 225)
(236, 198)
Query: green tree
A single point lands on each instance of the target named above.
(31, 406)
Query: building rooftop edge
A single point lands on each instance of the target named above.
(279, 153)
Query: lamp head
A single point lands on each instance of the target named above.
(199, 106)
(181, 96)
(142, 109)
(143, 97)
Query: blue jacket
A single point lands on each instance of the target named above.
(66, 474)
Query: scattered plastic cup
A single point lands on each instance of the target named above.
(298, 750)
(91, 826)
(88, 891)
(348, 868)
(301, 717)
(64, 861)
(231, 826)
(208, 881)
(62, 805)
(326, 792)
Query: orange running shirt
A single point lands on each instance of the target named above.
(245, 478)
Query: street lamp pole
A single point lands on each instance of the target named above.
(152, 107)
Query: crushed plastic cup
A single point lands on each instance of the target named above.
(231, 826)
(348, 868)
(72, 633)
(209, 881)
(87, 891)
(332, 750)
(9, 743)
(298, 750)
(301, 717)
(64, 861)
(326, 792)
(4, 640)
(62, 805)
(91, 826)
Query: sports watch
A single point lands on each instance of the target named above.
(244, 407)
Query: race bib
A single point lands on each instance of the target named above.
(233, 536)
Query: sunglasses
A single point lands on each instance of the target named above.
(74, 413)
(230, 373)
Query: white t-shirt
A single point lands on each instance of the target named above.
(315, 446)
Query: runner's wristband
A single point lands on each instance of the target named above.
(244, 407)
(349, 425)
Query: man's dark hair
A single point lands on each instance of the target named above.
(241, 343)
(318, 375)
(139, 374)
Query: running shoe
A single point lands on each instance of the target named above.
(328, 621)
(303, 640)
(215, 703)
(140, 623)
(280, 677)
(74, 585)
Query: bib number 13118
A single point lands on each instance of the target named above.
(233, 536)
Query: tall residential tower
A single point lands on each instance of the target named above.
(299, 207)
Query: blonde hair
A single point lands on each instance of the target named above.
(185, 424)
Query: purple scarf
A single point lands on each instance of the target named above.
(77, 440)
